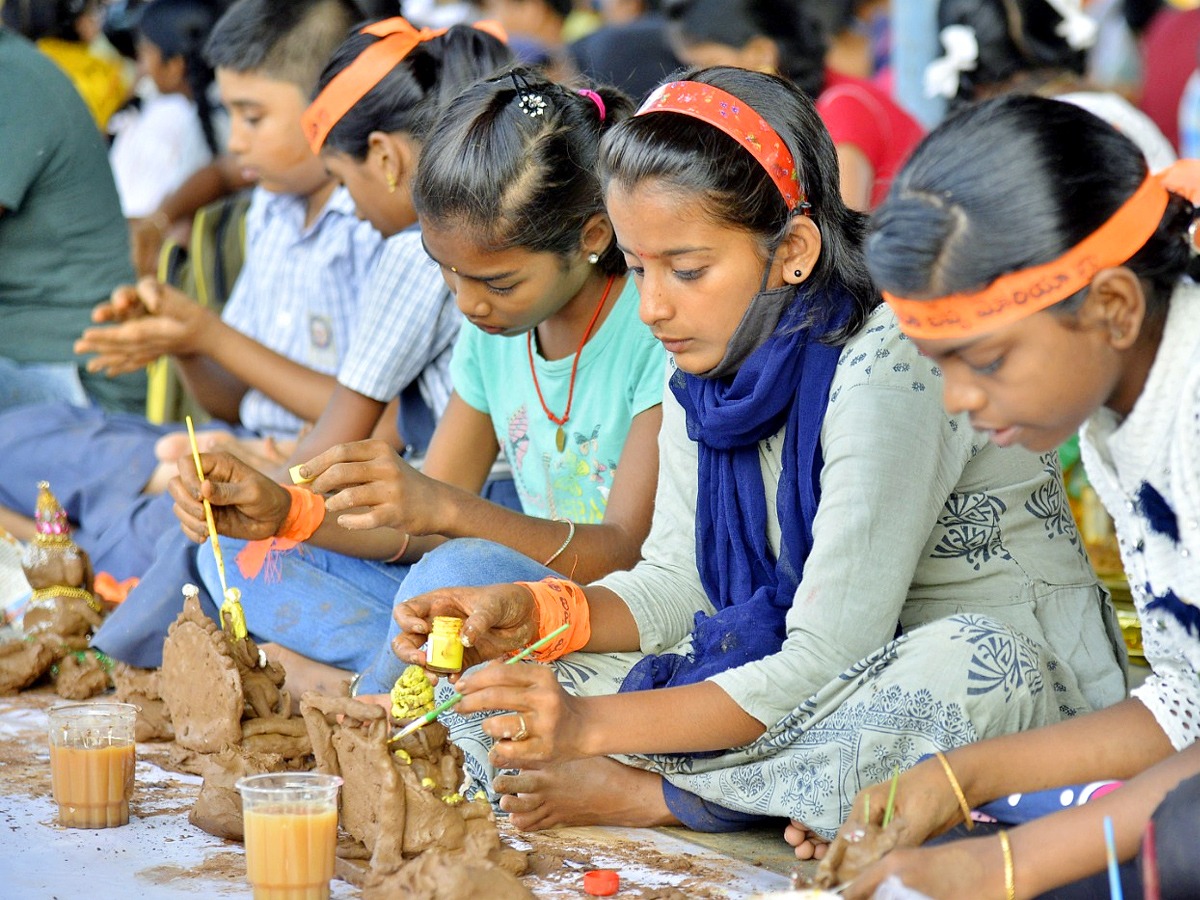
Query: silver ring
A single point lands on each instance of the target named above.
(522, 732)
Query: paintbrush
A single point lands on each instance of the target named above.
(891, 801)
(417, 724)
(228, 605)
(1114, 873)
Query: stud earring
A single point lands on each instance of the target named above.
(593, 258)
(799, 273)
(391, 182)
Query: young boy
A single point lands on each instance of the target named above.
(268, 362)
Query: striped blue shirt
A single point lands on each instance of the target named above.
(406, 327)
(298, 290)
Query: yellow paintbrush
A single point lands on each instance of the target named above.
(232, 599)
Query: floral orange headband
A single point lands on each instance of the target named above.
(1019, 294)
(726, 112)
(397, 39)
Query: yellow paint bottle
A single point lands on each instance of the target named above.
(444, 648)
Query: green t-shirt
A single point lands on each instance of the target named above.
(64, 244)
(621, 372)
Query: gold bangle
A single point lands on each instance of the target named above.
(1010, 887)
(570, 534)
(958, 791)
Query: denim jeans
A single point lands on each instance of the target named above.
(466, 562)
(332, 608)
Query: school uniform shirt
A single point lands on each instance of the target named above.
(920, 518)
(620, 375)
(1146, 470)
(155, 150)
(298, 290)
(406, 327)
(857, 112)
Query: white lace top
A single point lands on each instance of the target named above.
(1146, 470)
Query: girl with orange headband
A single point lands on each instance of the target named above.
(551, 368)
(1028, 253)
(839, 577)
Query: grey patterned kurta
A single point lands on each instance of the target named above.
(970, 547)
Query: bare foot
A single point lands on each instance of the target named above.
(594, 791)
(808, 844)
(304, 674)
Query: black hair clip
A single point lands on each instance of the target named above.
(529, 101)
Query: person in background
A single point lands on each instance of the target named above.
(870, 131)
(1169, 49)
(173, 133)
(630, 51)
(64, 30)
(993, 47)
(64, 246)
(535, 31)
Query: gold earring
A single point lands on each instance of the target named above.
(391, 182)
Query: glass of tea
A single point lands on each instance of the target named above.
(290, 821)
(92, 755)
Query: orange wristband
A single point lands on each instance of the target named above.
(305, 515)
(560, 602)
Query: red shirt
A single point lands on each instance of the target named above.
(1168, 59)
(857, 112)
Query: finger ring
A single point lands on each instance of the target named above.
(522, 732)
(855, 836)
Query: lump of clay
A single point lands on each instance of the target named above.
(223, 692)
(402, 800)
(24, 662)
(82, 674)
(229, 713)
(143, 689)
(444, 875)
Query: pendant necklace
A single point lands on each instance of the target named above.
(560, 437)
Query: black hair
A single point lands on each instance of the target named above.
(691, 155)
(284, 41)
(179, 28)
(1016, 37)
(800, 38)
(559, 7)
(1009, 184)
(514, 159)
(412, 95)
(38, 19)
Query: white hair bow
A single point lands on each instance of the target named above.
(1077, 28)
(962, 55)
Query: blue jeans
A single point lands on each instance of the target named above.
(466, 562)
(24, 383)
(323, 605)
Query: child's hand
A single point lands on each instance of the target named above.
(497, 620)
(967, 868)
(925, 806)
(385, 491)
(153, 321)
(245, 503)
(542, 722)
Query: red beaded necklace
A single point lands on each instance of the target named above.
(560, 437)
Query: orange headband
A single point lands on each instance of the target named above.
(1014, 296)
(724, 111)
(397, 39)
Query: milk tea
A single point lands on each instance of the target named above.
(290, 852)
(92, 786)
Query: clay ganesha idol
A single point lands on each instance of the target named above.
(62, 613)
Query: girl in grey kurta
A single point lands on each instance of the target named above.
(942, 595)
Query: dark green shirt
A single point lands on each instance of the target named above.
(64, 244)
